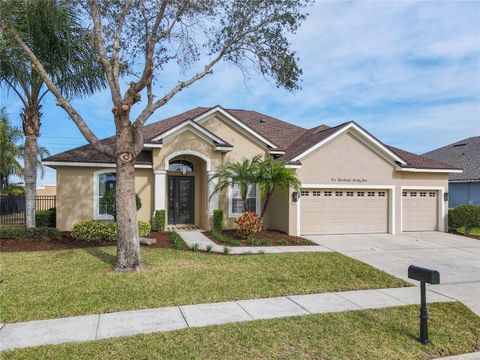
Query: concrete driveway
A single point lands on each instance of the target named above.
(457, 258)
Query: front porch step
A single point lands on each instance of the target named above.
(182, 228)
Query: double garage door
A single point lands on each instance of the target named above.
(344, 211)
(360, 211)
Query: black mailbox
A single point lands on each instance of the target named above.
(422, 274)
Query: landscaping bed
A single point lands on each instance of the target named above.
(50, 284)
(261, 238)
(378, 334)
(66, 241)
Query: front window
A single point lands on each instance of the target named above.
(105, 182)
(237, 202)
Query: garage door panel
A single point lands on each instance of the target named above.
(419, 210)
(344, 212)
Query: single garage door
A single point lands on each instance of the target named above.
(343, 211)
(420, 210)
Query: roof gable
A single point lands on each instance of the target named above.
(315, 138)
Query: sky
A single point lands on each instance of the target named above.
(407, 71)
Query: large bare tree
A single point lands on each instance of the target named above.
(139, 38)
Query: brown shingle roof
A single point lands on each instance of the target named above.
(291, 138)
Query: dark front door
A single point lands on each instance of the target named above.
(180, 199)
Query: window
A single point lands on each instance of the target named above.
(381, 193)
(360, 193)
(371, 193)
(236, 201)
(431, 194)
(316, 193)
(328, 193)
(413, 193)
(338, 193)
(305, 193)
(404, 193)
(349, 193)
(104, 181)
(423, 193)
(181, 166)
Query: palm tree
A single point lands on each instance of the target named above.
(52, 29)
(10, 152)
(274, 175)
(243, 173)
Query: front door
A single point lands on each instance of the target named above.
(180, 199)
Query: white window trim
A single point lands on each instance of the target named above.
(91, 164)
(188, 152)
(96, 200)
(232, 215)
(440, 203)
(391, 200)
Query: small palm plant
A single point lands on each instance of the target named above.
(274, 175)
(243, 173)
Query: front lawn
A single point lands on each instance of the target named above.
(474, 232)
(49, 284)
(355, 335)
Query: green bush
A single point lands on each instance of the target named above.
(465, 216)
(217, 220)
(46, 218)
(108, 201)
(144, 228)
(31, 233)
(94, 231)
(176, 240)
(160, 220)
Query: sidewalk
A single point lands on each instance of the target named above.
(128, 323)
(196, 237)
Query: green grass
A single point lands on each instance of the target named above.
(51, 284)
(474, 231)
(356, 335)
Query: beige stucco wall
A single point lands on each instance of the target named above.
(351, 162)
(47, 190)
(75, 196)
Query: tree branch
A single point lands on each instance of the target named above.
(104, 61)
(116, 39)
(61, 101)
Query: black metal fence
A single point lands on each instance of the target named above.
(12, 208)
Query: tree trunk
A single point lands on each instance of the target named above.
(31, 129)
(128, 247)
(268, 195)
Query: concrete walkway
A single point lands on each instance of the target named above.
(470, 356)
(196, 237)
(128, 323)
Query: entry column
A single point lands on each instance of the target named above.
(160, 182)
(213, 200)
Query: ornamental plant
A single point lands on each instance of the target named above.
(249, 224)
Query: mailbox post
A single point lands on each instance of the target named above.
(424, 276)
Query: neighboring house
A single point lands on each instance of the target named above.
(464, 188)
(351, 181)
(46, 190)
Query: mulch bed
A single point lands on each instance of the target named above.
(67, 242)
(264, 238)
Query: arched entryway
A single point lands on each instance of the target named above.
(187, 188)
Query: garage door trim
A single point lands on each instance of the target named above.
(390, 188)
(440, 203)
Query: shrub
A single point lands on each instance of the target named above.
(248, 224)
(226, 251)
(209, 248)
(217, 220)
(30, 233)
(282, 242)
(195, 247)
(94, 231)
(46, 218)
(160, 220)
(144, 228)
(466, 216)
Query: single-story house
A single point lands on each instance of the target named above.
(351, 181)
(464, 188)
